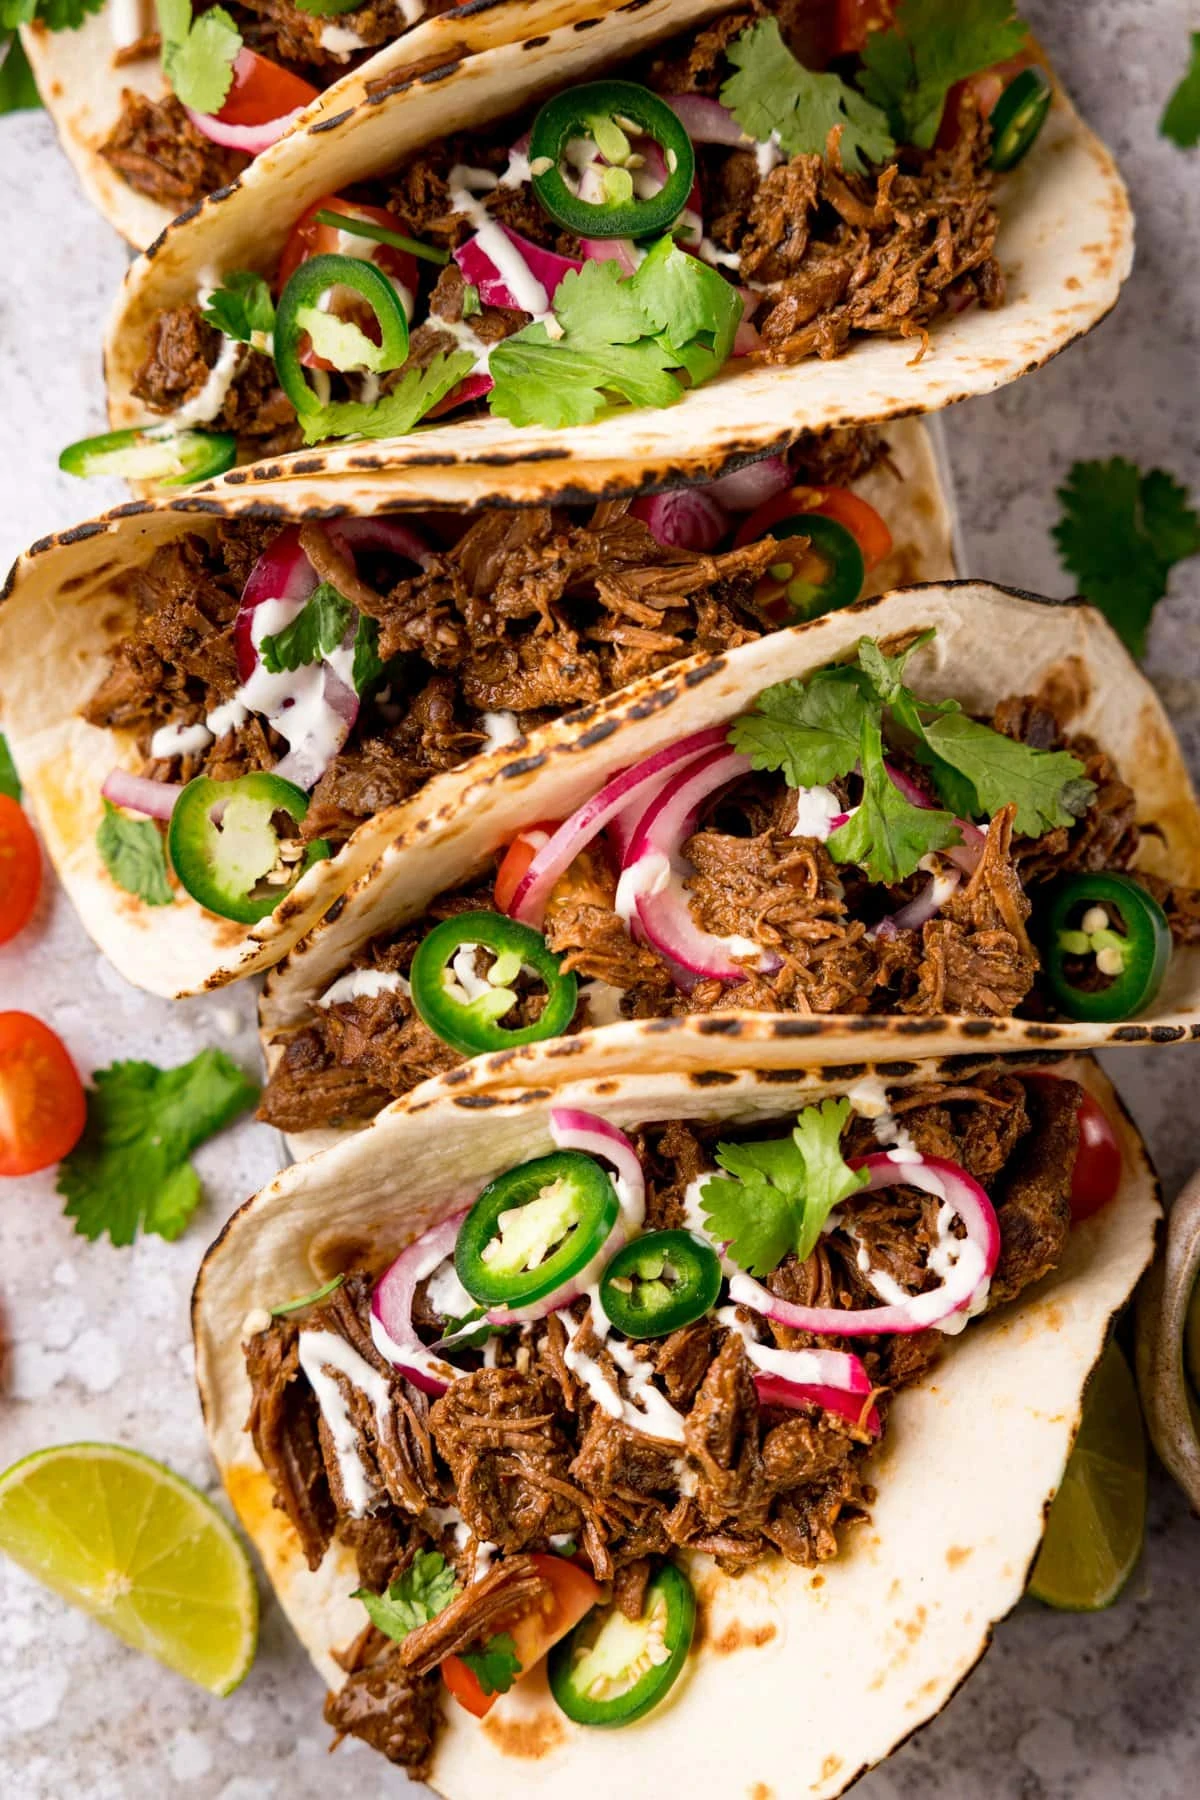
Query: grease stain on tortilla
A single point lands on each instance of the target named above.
(528, 1738)
(958, 1554)
(760, 1791)
(830, 1767)
(742, 1637)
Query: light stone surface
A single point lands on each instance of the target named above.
(97, 1340)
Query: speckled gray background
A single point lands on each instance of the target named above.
(1105, 1707)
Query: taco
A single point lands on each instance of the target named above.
(741, 246)
(156, 108)
(716, 1392)
(134, 669)
(954, 815)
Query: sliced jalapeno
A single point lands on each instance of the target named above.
(612, 1670)
(659, 1282)
(225, 848)
(465, 1008)
(155, 453)
(611, 114)
(827, 573)
(1019, 115)
(1106, 945)
(535, 1228)
(298, 304)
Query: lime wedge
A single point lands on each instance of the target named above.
(1097, 1523)
(140, 1550)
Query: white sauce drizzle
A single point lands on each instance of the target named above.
(320, 1351)
(294, 702)
(446, 1293)
(180, 740)
(645, 1410)
(256, 1321)
(340, 41)
(816, 809)
(227, 717)
(499, 729)
(204, 406)
(724, 259)
(603, 1002)
(524, 286)
(364, 984)
(768, 155)
(793, 1365)
(466, 339)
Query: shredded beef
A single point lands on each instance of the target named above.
(390, 1708)
(183, 350)
(157, 151)
(283, 1422)
(508, 1457)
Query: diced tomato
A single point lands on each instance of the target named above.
(516, 860)
(20, 869)
(310, 238)
(42, 1106)
(986, 87)
(1097, 1172)
(572, 1594)
(857, 515)
(262, 91)
(854, 20)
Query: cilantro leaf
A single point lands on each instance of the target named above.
(542, 381)
(1120, 534)
(198, 54)
(425, 1589)
(241, 307)
(811, 729)
(396, 413)
(18, 89)
(10, 781)
(1048, 786)
(316, 630)
(55, 15)
(597, 307)
(783, 1191)
(886, 673)
(774, 93)
(368, 665)
(886, 835)
(130, 1168)
(1181, 118)
(755, 1213)
(828, 1177)
(496, 1666)
(134, 853)
(909, 69)
(687, 302)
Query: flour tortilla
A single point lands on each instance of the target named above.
(802, 1680)
(1065, 241)
(65, 610)
(990, 642)
(82, 86)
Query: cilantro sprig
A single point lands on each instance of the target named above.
(1181, 116)
(773, 93)
(130, 1170)
(775, 1197)
(832, 724)
(415, 394)
(932, 44)
(496, 1666)
(134, 853)
(317, 630)
(619, 339)
(198, 54)
(242, 308)
(1120, 534)
(425, 1589)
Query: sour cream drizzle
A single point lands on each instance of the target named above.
(180, 740)
(645, 1410)
(203, 407)
(365, 984)
(465, 185)
(293, 702)
(320, 1351)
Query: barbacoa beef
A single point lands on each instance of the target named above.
(157, 151)
(524, 1452)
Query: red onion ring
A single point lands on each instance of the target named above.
(545, 266)
(252, 139)
(652, 876)
(282, 572)
(967, 854)
(683, 518)
(588, 821)
(707, 121)
(747, 488)
(947, 1182)
(392, 1330)
(139, 793)
(774, 1390)
(573, 1129)
(618, 250)
(916, 912)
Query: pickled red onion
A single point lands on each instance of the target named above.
(392, 1330)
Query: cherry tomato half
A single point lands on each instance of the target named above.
(262, 91)
(516, 860)
(310, 238)
(859, 517)
(1097, 1172)
(20, 869)
(572, 1594)
(42, 1105)
(986, 88)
